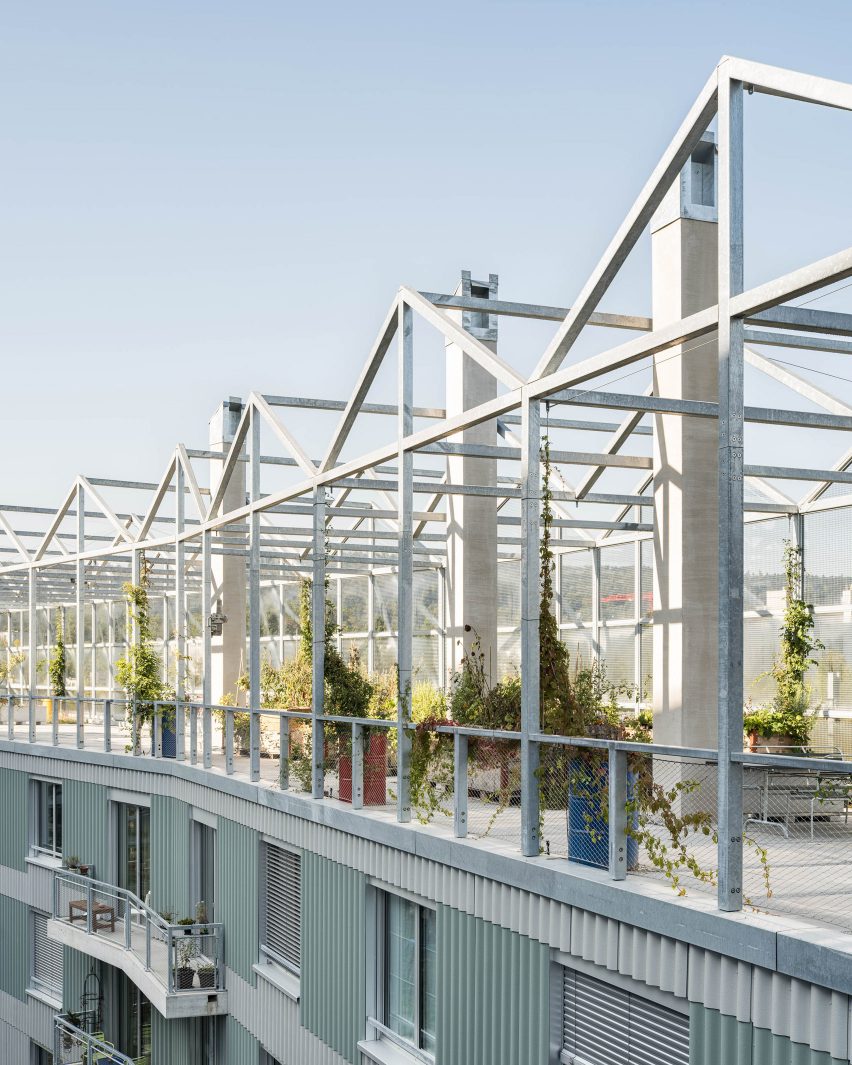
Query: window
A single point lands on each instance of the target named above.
(407, 972)
(47, 838)
(266, 1059)
(46, 959)
(281, 941)
(607, 1025)
(40, 1056)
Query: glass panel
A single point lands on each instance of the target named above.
(763, 550)
(617, 650)
(384, 602)
(400, 957)
(354, 605)
(617, 590)
(579, 643)
(270, 611)
(509, 593)
(646, 578)
(425, 658)
(428, 980)
(290, 609)
(576, 586)
(426, 590)
(828, 557)
(760, 645)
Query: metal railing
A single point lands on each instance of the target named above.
(182, 957)
(74, 1046)
(795, 805)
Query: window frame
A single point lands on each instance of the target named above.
(378, 1018)
(268, 954)
(39, 786)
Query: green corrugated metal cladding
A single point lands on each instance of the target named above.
(13, 831)
(170, 856)
(14, 947)
(236, 905)
(86, 825)
(178, 1041)
(240, 1046)
(333, 985)
(719, 1040)
(76, 966)
(493, 994)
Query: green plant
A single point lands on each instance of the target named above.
(57, 665)
(71, 862)
(140, 670)
(13, 658)
(789, 714)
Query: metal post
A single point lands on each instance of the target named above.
(10, 720)
(180, 613)
(58, 706)
(357, 767)
(157, 732)
(127, 928)
(229, 740)
(405, 573)
(207, 654)
(90, 899)
(617, 814)
(730, 130)
(254, 602)
(637, 622)
(79, 578)
(530, 612)
(107, 724)
(283, 752)
(171, 960)
(318, 645)
(596, 603)
(78, 716)
(147, 942)
(460, 785)
(33, 650)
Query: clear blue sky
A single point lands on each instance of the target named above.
(200, 199)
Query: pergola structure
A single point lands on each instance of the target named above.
(255, 506)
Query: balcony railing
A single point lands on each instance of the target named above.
(183, 958)
(795, 806)
(76, 1046)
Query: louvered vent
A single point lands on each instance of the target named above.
(283, 906)
(605, 1025)
(47, 958)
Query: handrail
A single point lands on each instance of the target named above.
(180, 951)
(68, 1037)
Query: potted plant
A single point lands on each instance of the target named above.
(140, 671)
(788, 721)
(72, 863)
(206, 975)
(83, 869)
(187, 923)
(166, 915)
(184, 972)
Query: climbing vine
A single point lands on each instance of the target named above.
(58, 664)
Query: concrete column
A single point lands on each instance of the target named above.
(228, 651)
(471, 585)
(684, 242)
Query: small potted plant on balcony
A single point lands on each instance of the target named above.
(184, 972)
(187, 923)
(207, 975)
(71, 863)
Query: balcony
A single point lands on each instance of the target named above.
(179, 968)
(75, 1044)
